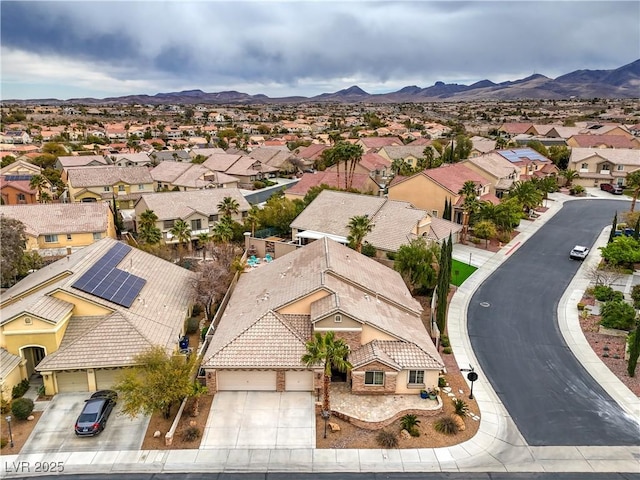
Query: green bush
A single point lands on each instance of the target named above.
(22, 408)
(368, 250)
(387, 439)
(410, 423)
(580, 306)
(617, 314)
(20, 389)
(258, 185)
(191, 325)
(460, 406)
(203, 333)
(442, 382)
(447, 350)
(602, 292)
(635, 295)
(446, 425)
(444, 341)
(391, 255)
(5, 406)
(196, 310)
(191, 434)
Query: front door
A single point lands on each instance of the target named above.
(33, 356)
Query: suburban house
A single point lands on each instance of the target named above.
(190, 176)
(395, 223)
(280, 158)
(275, 309)
(376, 143)
(131, 159)
(94, 184)
(431, 188)
(362, 182)
(170, 156)
(198, 208)
(64, 162)
(20, 167)
(481, 146)
(246, 169)
(500, 172)
(603, 141)
(311, 154)
(376, 166)
(15, 136)
(80, 320)
(405, 153)
(15, 180)
(57, 229)
(603, 165)
(530, 162)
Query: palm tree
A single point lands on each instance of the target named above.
(228, 206)
(182, 233)
(359, 226)
(39, 183)
(253, 219)
(223, 230)
(633, 182)
(569, 175)
(527, 194)
(470, 204)
(203, 239)
(328, 351)
(148, 219)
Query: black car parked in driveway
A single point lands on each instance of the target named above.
(95, 413)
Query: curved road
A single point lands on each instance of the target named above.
(552, 399)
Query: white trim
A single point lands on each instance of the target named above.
(312, 234)
(340, 329)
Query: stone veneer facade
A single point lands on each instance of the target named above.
(358, 376)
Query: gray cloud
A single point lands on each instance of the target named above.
(296, 45)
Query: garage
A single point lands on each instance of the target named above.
(262, 380)
(298, 381)
(72, 381)
(106, 378)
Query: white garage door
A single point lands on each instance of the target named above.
(241, 380)
(298, 381)
(106, 378)
(69, 382)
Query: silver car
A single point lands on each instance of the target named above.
(579, 252)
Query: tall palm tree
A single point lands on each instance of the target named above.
(228, 206)
(253, 219)
(469, 192)
(328, 351)
(359, 226)
(148, 219)
(223, 230)
(182, 232)
(527, 194)
(203, 239)
(39, 183)
(633, 182)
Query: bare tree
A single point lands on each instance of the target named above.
(604, 276)
(214, 278)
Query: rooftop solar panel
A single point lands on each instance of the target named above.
(106, 281)
(14, 178)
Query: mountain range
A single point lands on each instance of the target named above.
(623, 82)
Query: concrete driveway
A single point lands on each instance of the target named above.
(54, 431)
(261, 420)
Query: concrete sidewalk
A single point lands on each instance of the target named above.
(497, 447)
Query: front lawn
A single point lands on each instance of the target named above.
(464, 271)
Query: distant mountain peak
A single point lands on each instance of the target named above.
(353, 90)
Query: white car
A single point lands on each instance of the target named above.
(579, 252)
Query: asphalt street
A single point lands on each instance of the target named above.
(513, 328)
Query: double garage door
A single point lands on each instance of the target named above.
(264, 380)
(77, 381)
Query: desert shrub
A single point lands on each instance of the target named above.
(22, 408)
(391, 255)
(196, 310)
(580, 306)
(20, 389)
(5, 406)
(576, 190)
(447, 350)
(617, 314)
(442, 382)
(368, 250)
(460, 406)
(191, 434)
(635, 296)
(3, 442)
(446, 425)
(258, 184)
(191, 325)
(602, 292)
(387, 439)
(444, 341)
(410, 423)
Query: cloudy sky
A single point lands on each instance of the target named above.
(280, 48)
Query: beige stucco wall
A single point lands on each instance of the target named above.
(16, 334)
(82, 307)
(303, 306)
(492, 179)
(402, 381)
(370, 333)
(329, 323)
(14, 377)
(422, 193)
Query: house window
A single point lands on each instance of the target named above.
(374, 378)
(213, 218)
(140, 187)
(196, 224)
(21, 197)
(68, 237)
(620, 168)
(584, 166)
(97, 236)
(106, 189)
(337, 318)
(51, 238)
(416, 377)
(434, 213)
(168, 224)
(121, 188)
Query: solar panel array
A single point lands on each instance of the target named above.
(518, 154)
(104, 280)
(15, 178)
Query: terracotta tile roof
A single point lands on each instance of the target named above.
(109, 175)
(400, 152)
(142, 158)
(607, 141)
(21, 185)
(617, 156)
(156, 317)
(483, 144)
(516, 127)
(60, 218)
(81, 160)
(378, 142)
(361, 182)
(172, 205)
(494, 164)
(401, 355)
(452, 176)
(167, 172)
(374, 161)
(312, 152)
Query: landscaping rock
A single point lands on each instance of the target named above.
(459, 422)
(30, 417)
(156, 434)
(334, 427)
(405, 434)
